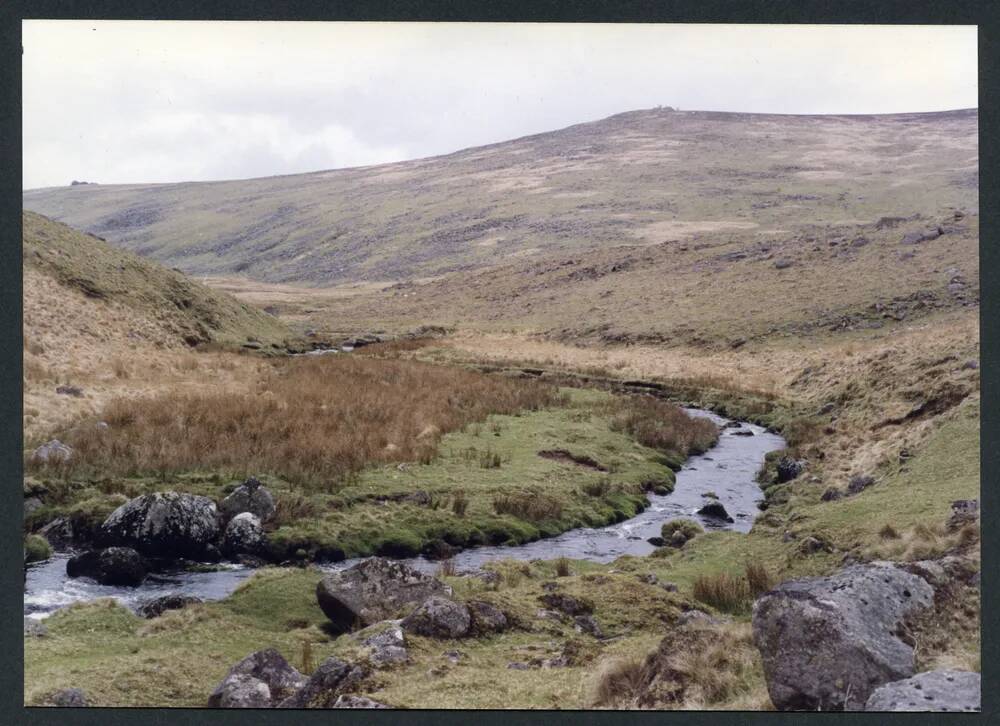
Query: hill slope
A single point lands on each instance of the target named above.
(644, 177)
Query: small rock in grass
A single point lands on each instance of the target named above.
(439, 617)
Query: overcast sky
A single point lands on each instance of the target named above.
(117, 101)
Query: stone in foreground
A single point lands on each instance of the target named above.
(251, 497)
(374, 590)
(328, 681)
(828, 642)
(267, 667)
(944, 690)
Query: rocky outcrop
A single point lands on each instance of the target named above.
(386, 643)
(164, 524)
(944, 690)
(244, 535)
(262, 679)
(327, 683)
(828, 642)
(157, 606)
(439, 617)
(250, 496)
(110, 566)
(373, 590)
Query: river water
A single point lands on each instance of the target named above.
(728, 470)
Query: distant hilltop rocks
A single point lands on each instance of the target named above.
(76, 183)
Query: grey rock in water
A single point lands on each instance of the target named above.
(373, 590)
(330, 680)
(942, 691)
(52, 452)
(244, 535)
(439, 617)
(828, 642)
(163, 524)
(250, 496)
(715, 510)
(109, 566)
(157, 606)
(267, 667)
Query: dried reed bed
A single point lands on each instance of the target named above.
(661, 425)
(312, 421)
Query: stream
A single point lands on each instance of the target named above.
(728, 470)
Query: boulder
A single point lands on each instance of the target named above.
(110, 566)
(267, 667)
(328, 681)
(32, 505)
(163, 524)
(241, 691)
(963, 512)
(859, 483)
(347, 701)
(828, 642)
(251, 497)
(59, 533)
(715, 510)
(788, 469)
(486, 618)
(373, 590)
(52, 452)
(67, 698)
(439, 617)
(244, 535)
(387, 644)
(157, 606)
(943, 690)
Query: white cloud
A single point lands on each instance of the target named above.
(115, 101)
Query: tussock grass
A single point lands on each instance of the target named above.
(534, 506)
(663, 426)
(312, 421)
(724, 592)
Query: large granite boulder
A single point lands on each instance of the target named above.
(373, 590)
(250, 496)
(828, 642)
(329, 681)
(110, 566)
(244, 535)
(931, 691)
(242, 685)
(439, 617)
(163, 524)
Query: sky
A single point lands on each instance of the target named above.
(165, 101)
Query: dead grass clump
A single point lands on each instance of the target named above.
(310, 420)
(459, 502)
(724, 592)
(600, 488)
(663, 426)
(533, 506)
(562, 565)
(759, 579)
(447, 568)
(888, 532)
(293, 508)
(616, 683)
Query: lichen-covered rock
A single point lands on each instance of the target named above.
(264, 666)
(788, 469)
(386, 643)
(373, 590)
(439, 617)
(944, 690)
(828, 642)
(346, 701)
(163, 524)
(67, 698)
(244, 535)
(109, 566)
(241, 691)
(250, 496)
(52, 452)
(330, 680)
(157, 606)
(486, 618)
